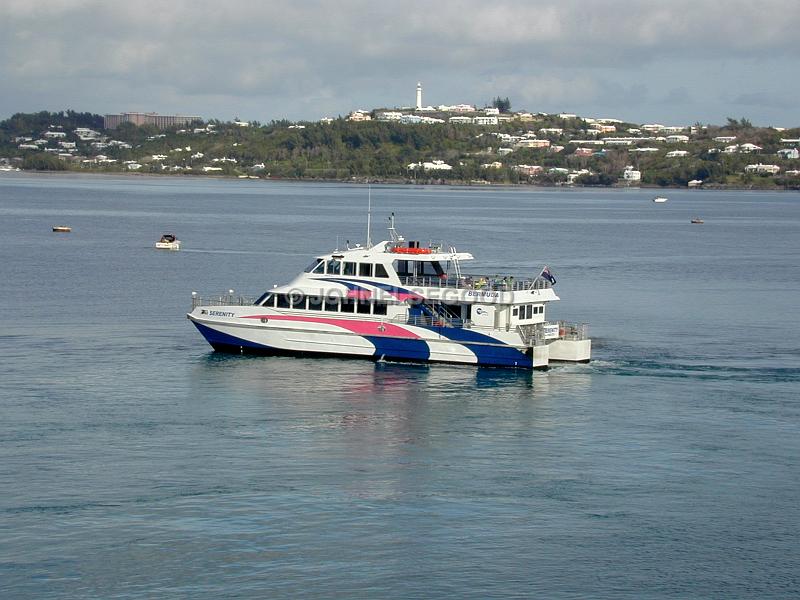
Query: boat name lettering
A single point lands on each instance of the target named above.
(219, 313)
(484, 294)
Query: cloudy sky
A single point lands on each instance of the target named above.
(671, 61)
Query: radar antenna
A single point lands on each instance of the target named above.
(394, 236)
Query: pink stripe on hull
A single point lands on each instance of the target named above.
(360, 294)
(359, 327)
(406, 296)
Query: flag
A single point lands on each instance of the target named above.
(548, 275)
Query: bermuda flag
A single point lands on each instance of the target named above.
(548, 275)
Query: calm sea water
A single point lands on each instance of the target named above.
(137, 463)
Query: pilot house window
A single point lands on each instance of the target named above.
(334, 267)
(315, 267)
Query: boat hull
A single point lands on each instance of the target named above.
(168, 245)
(366, 340)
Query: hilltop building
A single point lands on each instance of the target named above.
(160, 121)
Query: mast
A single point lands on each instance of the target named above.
(369, 215)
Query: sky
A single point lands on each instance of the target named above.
(674, 62)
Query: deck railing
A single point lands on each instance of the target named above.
(222, 300)
(494, 283)
(534, 335)
(573, 331)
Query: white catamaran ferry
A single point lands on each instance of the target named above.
(397, 301)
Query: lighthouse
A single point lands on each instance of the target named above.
(419, 95)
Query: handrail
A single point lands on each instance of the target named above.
(493, 283)
(222, 300)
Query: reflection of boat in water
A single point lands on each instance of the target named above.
(398, 301)
(62, 228)
(697, 220)
(168, 241)
(660, 199)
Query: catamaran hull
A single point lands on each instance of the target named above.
(394, 343)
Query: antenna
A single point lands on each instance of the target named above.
(393, 232)
(369, 215)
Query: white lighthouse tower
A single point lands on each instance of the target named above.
(419, 95)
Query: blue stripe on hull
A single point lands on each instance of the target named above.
(495, 356)
(400, 349)
(223, 341)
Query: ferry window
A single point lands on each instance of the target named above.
(380, 271)
(283, 301)
(314, 303)
(315, 267)
(379, 308)
(348, 305)
(362, 306)
(430, 268)
(400, 266)
(365, 270)
(334, 267)
(298, 301)
(515, 312)
(349, 268)
(332, 304)
(529, 314)
(265, 300)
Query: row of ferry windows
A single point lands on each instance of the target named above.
(345, 305)
(346, 268)
(527, 311)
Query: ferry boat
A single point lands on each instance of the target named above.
(398, 301)
(168, 241)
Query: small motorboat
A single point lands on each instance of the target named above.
(168, 241)
(697, 220)
(62, 228)
(659, 199)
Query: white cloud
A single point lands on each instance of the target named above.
(280, 57)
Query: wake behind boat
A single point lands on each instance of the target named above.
(398, 301)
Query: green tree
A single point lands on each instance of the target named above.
(503, 104)
(43, 162)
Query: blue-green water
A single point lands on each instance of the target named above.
(136, 463)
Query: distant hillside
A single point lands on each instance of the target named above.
(517, 148)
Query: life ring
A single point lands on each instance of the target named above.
(404, 250)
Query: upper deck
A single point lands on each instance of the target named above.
(408, 264)
(491, 283)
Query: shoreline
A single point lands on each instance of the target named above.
(398, 182)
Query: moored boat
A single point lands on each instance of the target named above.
(398, 301)
(168, 241)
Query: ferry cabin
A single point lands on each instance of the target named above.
(428, 289)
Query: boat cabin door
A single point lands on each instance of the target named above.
(483, 315)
